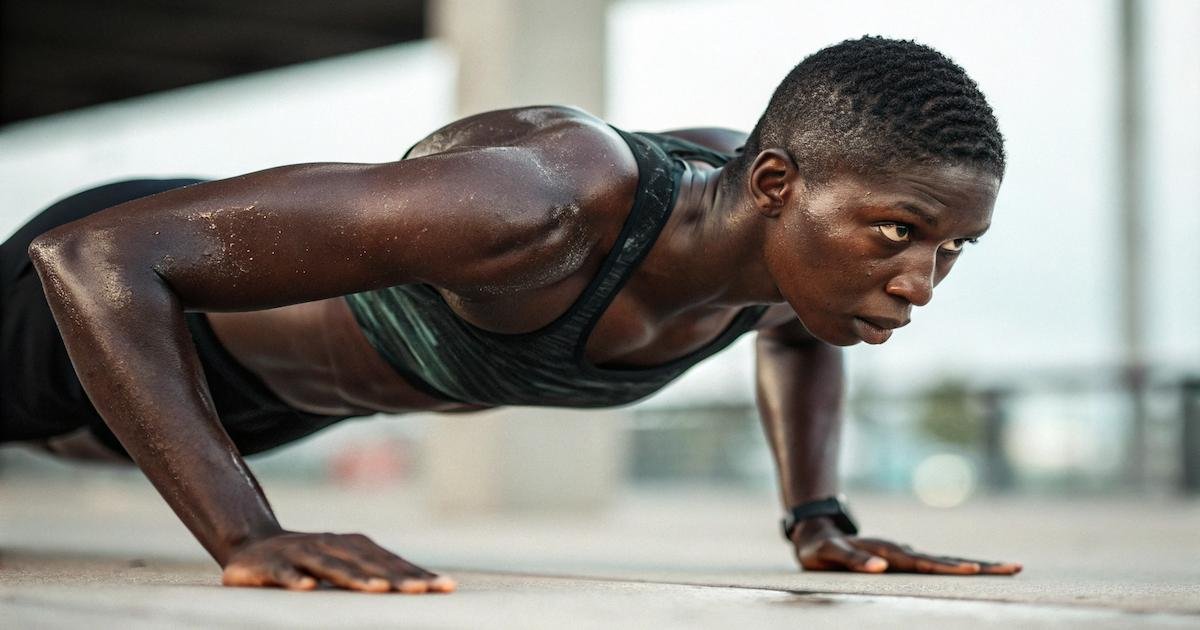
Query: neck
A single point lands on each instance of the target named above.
(719, 240)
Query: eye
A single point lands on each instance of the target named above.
(896, 232)
(955, 246)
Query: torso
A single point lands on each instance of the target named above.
(316, 358)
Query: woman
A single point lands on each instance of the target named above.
(525, 256)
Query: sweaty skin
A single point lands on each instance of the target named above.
(509, 214)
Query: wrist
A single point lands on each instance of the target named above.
(832, 510)
(815, 528)
(231, 543)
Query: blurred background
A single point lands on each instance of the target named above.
(1060, 359)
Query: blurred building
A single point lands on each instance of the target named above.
(1026, 343)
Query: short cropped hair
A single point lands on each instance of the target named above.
(874, 104)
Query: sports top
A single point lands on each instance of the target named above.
(417, 332)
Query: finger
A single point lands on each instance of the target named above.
(443, 584)
(902, 558)
(985, 567)
(280, 575)
(840, 552)
(374, 560)
(292, 579)
(992, 568)
(433, 584)
(380, 561)
(915, 562)
(936, 565)
(242, 575)
(1000, 568)
(412, 586)
(407, 577)
(342, 573)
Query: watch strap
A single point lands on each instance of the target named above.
(832, 507)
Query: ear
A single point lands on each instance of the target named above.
(774, 179)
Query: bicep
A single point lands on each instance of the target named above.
(312, 231)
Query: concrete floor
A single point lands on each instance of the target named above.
(102, 550)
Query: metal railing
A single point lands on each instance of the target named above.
(895, 431)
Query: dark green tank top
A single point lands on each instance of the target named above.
(414, 329)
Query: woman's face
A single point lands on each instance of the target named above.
(853, 256)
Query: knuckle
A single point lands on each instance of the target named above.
(284, 575)
(322, 563)
(307, 552)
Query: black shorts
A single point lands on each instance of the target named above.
(40, 394)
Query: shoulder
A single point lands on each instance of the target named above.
(569, 149)
(577, 180)
(551, 129)
(584, 150)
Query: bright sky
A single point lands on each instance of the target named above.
(1040, 288)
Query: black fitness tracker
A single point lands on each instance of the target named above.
(833, 507)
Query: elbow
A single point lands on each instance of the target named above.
(83, 249)
(72, 274)
(52, 248)
(48, 253)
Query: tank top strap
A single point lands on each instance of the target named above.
(658, 184)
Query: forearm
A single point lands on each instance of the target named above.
(125, 333)
(800, 391)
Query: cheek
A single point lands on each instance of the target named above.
(801, 258)
(943, 268)
(824, 263)
(874, 272)
(852, 260)
(840, 270)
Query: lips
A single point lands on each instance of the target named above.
(871, 331)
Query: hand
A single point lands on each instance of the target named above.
(821, 546)
(351, 561)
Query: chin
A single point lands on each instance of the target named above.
(832, 334)
(841, 340)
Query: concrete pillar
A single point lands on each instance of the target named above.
(1132, 184)
(512, 53)
(998, 472)
(1189, 392)
(525, 52)
(525, 458)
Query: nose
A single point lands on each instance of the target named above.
(914, 284)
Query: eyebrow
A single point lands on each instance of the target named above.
(980, 232)
(924, 216)
(933, 220)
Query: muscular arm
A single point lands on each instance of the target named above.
(800, 388)
(119, 281)
(800, 391)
